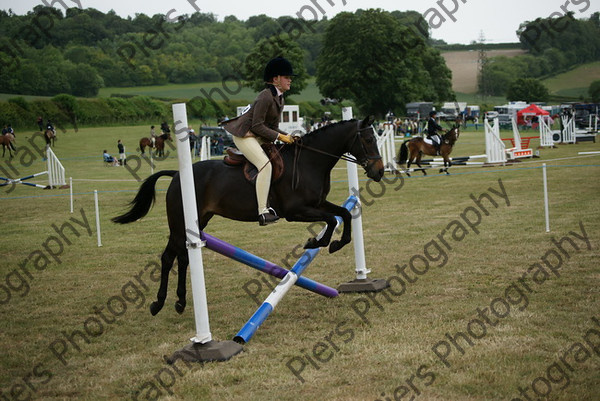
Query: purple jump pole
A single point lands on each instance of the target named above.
(242, 256)
(261, 314)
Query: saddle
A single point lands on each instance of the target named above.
(235, 158)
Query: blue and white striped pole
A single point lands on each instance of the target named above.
(261, 314)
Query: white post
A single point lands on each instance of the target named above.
(151, 161)
(71, 192)
(194, 244)
(545, 177)
(516, 134)
(98, 234)
(357, 229)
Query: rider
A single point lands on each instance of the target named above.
(260, 124)
(50, 127)
(153, 135)
(432, 131)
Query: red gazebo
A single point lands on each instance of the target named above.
(530, 111)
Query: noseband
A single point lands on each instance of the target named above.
(363, 162)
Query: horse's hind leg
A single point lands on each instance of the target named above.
(418, 163)
(167, 259)
(182, 264)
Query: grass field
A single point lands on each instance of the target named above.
(75, 323)
(231, 89)
(576, 82)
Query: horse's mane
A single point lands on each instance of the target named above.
(324, 129)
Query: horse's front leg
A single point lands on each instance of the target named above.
(447, 164)
(347, 222)
(311, 215)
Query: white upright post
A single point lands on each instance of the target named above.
(98, 234)
(546, 213)
(362, 283)
(204, 349)
(357, 229)
(194, 244)
(71, 192)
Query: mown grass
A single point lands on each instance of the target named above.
(574, 83)
(232, 90)
(377, 354)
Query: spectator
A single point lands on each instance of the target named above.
(109, 159)
(220, 144)
(122, 157)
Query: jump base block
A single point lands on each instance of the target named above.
(212, 351)
(364, 285)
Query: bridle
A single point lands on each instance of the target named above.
(364, 162)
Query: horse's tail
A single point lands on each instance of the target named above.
(144, 199)
(403, 153)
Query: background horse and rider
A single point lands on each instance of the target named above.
(50, 137)
(298, 195)
(412, 150)
(158, 145)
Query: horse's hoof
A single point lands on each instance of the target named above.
(155, 307)
(312, 243)
(179, 307)
(336, 246)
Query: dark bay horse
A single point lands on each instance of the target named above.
(412, 150)
(159, 144)
(299, 195)
(7, 141)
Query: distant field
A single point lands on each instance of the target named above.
(231, 89)
(576, 82)
(464, 67)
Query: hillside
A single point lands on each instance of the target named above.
(463, 65)
(574, 83)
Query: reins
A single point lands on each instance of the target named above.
(345, 156)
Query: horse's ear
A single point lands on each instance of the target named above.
(369, 120)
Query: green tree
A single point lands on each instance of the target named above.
(528, 90)
(267, 49)
(379, 63)
(84, 80)
(594, 91)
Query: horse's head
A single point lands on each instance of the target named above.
(365, 150)
(453, 134)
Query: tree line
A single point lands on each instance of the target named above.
(553, 45)
(46, 52)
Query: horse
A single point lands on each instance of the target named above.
(298, 195)
(412, 150)
(8, 141)
(50, 137)
(159, 143)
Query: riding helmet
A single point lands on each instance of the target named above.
(278, 66)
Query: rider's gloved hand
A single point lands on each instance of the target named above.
(285, 138)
